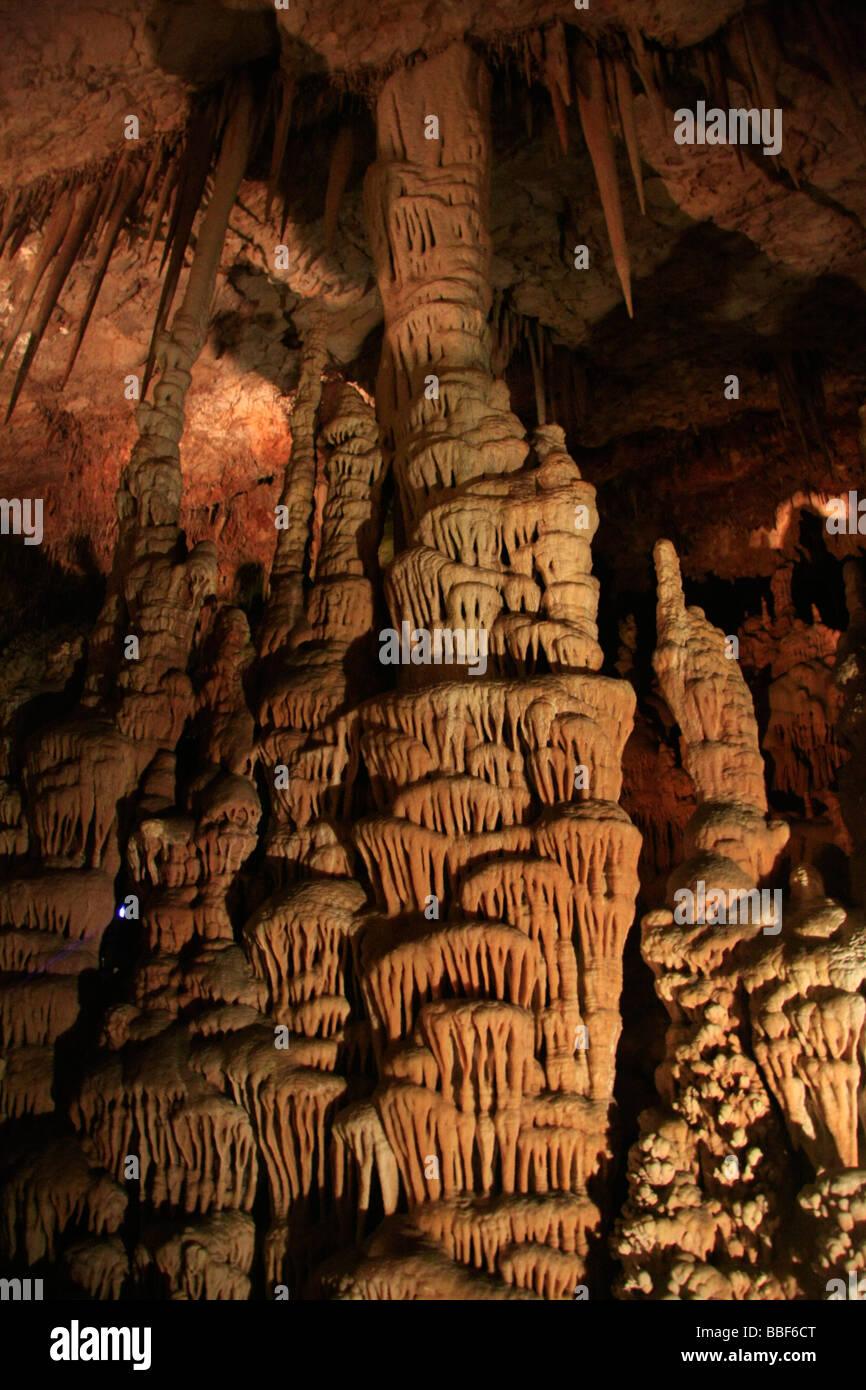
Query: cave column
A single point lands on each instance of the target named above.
(495, 947)
(426, 200)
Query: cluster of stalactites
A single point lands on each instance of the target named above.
(602, 81)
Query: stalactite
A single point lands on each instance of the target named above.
(10, 203)
(52, 238)
(556, 77)
(338, 175)
(649, 80)
(125, 198)
(595, 120)
(236, 145)
(192, 176)
(763, 58)
(717, 87)
(285, 92)
(625, 103)
(77, 233)
(830, 55)
(169, 186)
(538, 382)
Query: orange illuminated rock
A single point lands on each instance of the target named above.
(324, 815)
(710, 1163)
(492, 970)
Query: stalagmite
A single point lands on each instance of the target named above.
(850, 676)
(196, 1145)
(713, 707)
(804, 710)
(361, 1152)
(149, 494)
(210, 1259)
(100, 1267)
(299, 939)
(803, 970)
(52, 1189)
(287, 575)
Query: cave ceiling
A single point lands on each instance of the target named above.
(734, 268)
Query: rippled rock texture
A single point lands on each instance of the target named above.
(394, 870)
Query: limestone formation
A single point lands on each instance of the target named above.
(386, 911)
(491, 966)
(795, 1036)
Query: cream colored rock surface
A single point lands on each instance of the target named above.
(711, 1162)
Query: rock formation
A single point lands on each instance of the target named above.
(375, 907)
(710, 1204)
